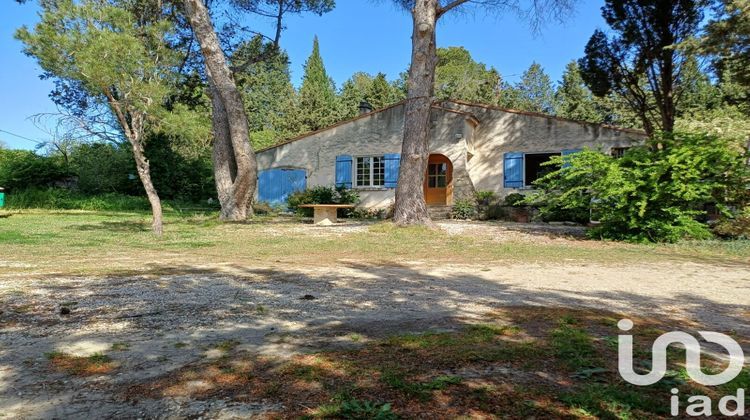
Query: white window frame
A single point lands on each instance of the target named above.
(372, 171)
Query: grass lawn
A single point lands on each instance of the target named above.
(362, 320)
(98, 243)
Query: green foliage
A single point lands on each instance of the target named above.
(534, 93)
(615, 401)
(21, 169)
(179, 177)
(365, 213)
(574, 100)
(515, 199)
(104, 168)
(464, 209)
(642, 70)
(657, 192)
(422, 390)
(363, 409)
(573, 345)
(728, 122)
(728, 39)
(106, 50)
(60, 199)
(458, 76)
(322, 194)
(318, 102)
(737, 227)
(377, 91)
(347, 407)
(271, 102)
(698, 93)
(484, 197)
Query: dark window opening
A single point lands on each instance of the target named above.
(533, 168)
(618, 152)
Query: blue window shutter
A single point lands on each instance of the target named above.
(567, 152)
(513, 170)
(392, 163)
(344, 171)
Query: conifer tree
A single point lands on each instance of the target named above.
(573, 98)
(318, 102)
(535, 91)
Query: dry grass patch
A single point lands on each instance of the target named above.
(522, 362)
(95, 364)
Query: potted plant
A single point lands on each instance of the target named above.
(518, 211)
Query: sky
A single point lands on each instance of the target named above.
(358, 35)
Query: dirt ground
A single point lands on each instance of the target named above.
(153, 324)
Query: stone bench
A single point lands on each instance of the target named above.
(325, 214)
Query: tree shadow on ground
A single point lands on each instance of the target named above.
(177, 314)
(117, 227)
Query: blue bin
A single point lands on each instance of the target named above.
(2, 198)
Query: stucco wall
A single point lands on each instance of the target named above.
(476, 151)
(376, 134)
(500, 132)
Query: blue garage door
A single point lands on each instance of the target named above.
(275, 185)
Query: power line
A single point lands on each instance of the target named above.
(20, 136)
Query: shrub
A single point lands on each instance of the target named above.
(321, 194)
(654, 193)
(737, 227)
(484, 197)
(515, 199)
(363, 213)
(20, 169)
(464, 209)
(559, 214)
(105, 168)
(61, 199)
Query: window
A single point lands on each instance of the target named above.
(370, 171)
(534, 168)
(618, 152)
(437, 175)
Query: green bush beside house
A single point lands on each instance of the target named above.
(659, 192)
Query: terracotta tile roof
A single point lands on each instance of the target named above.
(539, 114)
(439, 105)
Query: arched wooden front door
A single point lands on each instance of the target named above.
(438, 183)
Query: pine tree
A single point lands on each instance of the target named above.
(573, 99)
(696, 90)
(535, 92)
(381, 93)
(354, 91)
(268, 94)
(377, 91)
(318, 102)
(459, 76)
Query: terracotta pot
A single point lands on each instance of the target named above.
(520, 214)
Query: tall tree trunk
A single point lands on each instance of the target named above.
(144, 173)
(410, 207)
(134, 129)
(235, 167)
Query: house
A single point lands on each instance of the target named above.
(473, 147)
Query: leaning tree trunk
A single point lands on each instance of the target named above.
(410, 207)
(133, 129)
(235, 167)
(144, 173)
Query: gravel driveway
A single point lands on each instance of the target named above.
(159, 323)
